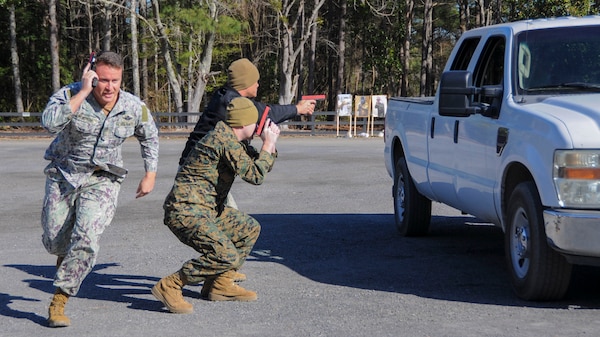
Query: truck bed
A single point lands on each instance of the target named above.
(416, 100)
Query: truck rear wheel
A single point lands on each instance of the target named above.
(412, 210)
(537, 272)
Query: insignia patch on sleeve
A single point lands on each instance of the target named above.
(144, 113)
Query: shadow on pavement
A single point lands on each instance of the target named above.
(461, 259)
(5, 310)
(97, 286)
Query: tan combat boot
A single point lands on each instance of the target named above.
(169, 291)
(56, 311)
(237, 277)
(224, 289)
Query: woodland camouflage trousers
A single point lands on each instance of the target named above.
(223, 241)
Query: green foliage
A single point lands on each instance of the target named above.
(519, 10)
(230, 26)
(377, 49)
(373, 60)
(276, 4)
(192, 24)
(34, 57)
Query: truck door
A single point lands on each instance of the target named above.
(441, 140)
(478, 138)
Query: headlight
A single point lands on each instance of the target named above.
(577, 178)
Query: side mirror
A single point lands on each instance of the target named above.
(456, 91)
(493, 93)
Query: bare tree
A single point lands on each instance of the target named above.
(107, 26)
(203, 71)
(290, 15)
(342, 47)
(14, 54)
(408, 18)
(426, 88)
(134, 48)
(464, 15)
(144, 47)
(54, 45)
(312, 54)
(168, 57)
(90, 21)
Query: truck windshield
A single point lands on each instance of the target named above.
(558, 60)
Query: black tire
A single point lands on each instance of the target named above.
(537, 272)
(412, 210)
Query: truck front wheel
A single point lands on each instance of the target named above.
(537, 272)
(412, 210)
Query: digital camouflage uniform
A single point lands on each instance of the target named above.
(85, 174)
(195, 211)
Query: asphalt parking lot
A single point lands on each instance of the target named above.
(328, 262)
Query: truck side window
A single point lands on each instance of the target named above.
(490, 68)
(464, 54)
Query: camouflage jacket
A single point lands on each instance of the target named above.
(204, 180)
(216, 111)
(88, 140)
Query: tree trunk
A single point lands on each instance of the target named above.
(166, 52)
(341, 83)
(205, 63)
(464, 15)
(427, 49)
(203, 74)
(107, 26)
(54, 54)
(311, 60)
(135, 64)
(144, 47)
(14, 54)
(300, 60)
(190, 74)
(90, 28)
(289, 52)
(408, 18)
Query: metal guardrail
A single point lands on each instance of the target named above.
(169, 123)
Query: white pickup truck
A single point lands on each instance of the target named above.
(512, 137)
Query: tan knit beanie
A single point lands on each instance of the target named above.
(242, 74)
(241, 112)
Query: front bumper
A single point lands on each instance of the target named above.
(575, 233)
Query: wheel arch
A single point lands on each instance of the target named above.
(397, 151)
(515, 174)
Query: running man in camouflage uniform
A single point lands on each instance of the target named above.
(195, 209)
(85, 171)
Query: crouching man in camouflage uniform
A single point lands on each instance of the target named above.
(195, 209)
(85, 171)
